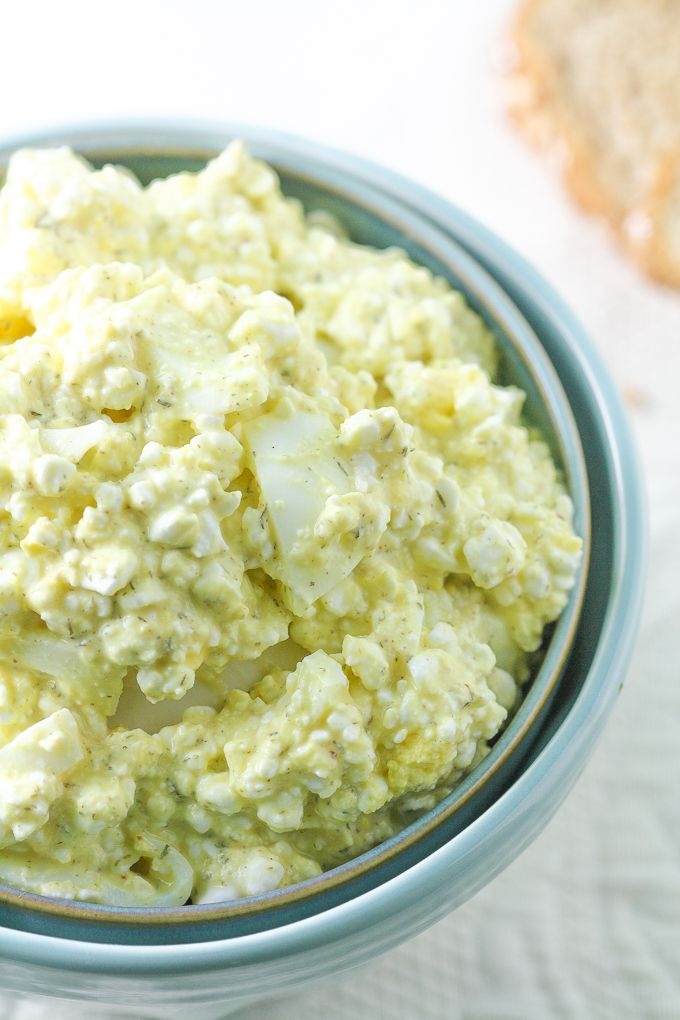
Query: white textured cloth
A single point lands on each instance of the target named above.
(586, 924)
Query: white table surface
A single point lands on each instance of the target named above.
(586, 924)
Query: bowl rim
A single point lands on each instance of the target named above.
(499, 309)
(566, 745)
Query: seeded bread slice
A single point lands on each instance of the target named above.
(598, 83)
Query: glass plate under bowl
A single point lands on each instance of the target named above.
(370, 217)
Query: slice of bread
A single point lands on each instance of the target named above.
(598, 82)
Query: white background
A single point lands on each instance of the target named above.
(586, 925)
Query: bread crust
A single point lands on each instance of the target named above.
(653, 252)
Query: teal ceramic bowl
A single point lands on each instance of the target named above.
(374, 218)
(213, 957)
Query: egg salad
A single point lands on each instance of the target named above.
(275, 549)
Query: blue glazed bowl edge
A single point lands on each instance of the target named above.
(570, 745)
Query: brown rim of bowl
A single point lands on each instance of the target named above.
(369, 859)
